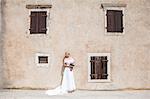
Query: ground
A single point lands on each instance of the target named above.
(79, 94)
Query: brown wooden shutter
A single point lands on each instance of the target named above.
(33, 23)
(38, 22)
(98, 67)
(119, 21)
(104, 67)
(42, 22)
(110, 21)
(92, 67)
(114, 21)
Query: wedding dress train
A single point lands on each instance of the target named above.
(67, 84)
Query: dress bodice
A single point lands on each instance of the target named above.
(69, 61)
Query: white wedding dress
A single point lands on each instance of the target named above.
(68, 83)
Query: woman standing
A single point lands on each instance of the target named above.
(67, 83)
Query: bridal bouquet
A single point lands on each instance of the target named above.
(71, 67)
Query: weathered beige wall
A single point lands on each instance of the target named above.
(1, 37)
(77, 26)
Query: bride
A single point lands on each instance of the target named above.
(67, 83)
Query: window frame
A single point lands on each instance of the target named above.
(105, 23)
(47, 22)
(42, 64)
(108, 68)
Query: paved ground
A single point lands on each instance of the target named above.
(40, 94)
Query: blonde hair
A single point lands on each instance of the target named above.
(67, 53)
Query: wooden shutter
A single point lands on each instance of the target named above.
(96, 70)
(104, 67)
(114, 21)
(110, 21)
(38, 22)
(119, 21)
(98, 67)
(42, 22)
(92, 61)
(33, 23)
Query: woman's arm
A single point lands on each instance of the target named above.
(64, 64)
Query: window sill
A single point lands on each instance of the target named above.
(42, 65)
(100, 81)
(114, 33)
(36, 35)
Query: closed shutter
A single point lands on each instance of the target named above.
(38, 22)
(114, 21)
(119, 21)
(33, 23)
(92, 67)
(104, 67)
(110, 21)
(98, 67)
(42, 22)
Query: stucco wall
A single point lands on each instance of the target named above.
(1, 47)
(76, 26)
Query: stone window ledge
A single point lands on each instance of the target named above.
(38, 6)
(106, 5)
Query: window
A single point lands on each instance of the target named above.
(42, 59)
(114, 21)
(114, 18)
(99, 67)
(38, 22)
